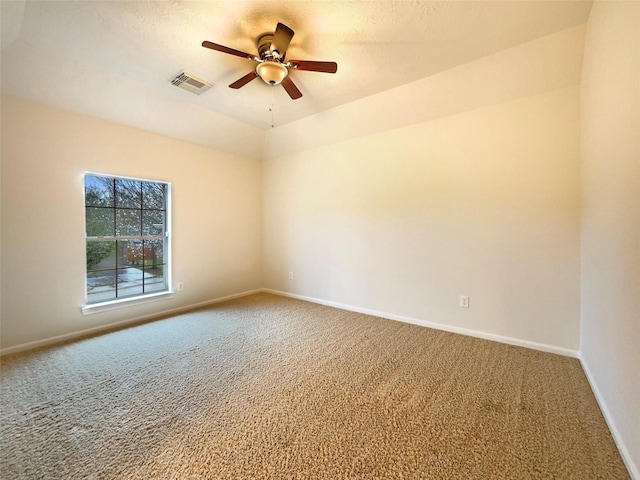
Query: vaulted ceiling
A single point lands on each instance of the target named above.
(115, 59)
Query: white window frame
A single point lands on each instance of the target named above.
(116, 303)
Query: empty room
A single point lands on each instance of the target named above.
(320, 239)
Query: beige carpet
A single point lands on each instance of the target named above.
(269, 387)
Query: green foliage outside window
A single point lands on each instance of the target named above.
(99, 221)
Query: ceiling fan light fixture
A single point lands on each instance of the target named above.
(272, 73)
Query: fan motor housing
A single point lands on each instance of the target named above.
(264, 45)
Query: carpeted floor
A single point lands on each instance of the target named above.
(270, 387)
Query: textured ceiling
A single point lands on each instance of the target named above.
(115, 59)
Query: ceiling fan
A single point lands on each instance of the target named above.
(272, 68)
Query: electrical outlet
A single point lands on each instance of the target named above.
(180, 286)
(464, 301)
(290, 275)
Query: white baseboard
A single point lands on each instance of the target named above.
(622, 448)
(436, 326)
(131, 321)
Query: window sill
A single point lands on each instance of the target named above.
(125, 302)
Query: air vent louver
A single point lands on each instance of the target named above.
(191, 83)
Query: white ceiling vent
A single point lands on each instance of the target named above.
(191, 83)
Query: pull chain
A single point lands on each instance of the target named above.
(273, 122)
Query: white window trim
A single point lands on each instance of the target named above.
(90, 308)
(125, 302)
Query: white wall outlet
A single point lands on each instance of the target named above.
(180, 286)
(464, 301)
(290, 275)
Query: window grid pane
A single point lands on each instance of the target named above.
(99, 221)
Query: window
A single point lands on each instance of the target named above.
(127, 238)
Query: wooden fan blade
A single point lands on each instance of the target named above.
(223, 49)
(244, 80)
(281, 39)
(291, 88)
(311, 66)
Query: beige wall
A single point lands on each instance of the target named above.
(463, 183)
(486, 188)
(483, 203)
(45, 151)
(610, 254)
